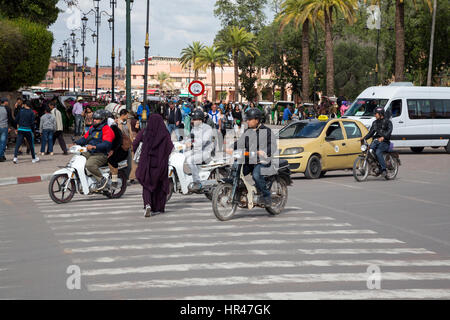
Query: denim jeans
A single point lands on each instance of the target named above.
(260, 180)
(29, 136)
(380, 148)
(78, 124)
(47, 139)
(3, 140)
(172, 128)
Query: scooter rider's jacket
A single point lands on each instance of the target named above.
(101, 137)
(201, 138)
(258, 139)
(381, 128)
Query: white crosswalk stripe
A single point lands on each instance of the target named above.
(255, 256)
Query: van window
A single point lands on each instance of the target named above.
(395, 108)
(365, 107)
(352, 130)
(429, 109)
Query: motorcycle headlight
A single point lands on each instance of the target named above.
(364, 148)
(292, 151)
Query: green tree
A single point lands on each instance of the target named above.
(27, 64)
(189, 56)
(248, 14)
(212, 57)
(237, 41)
(40, 11)
(164, 80)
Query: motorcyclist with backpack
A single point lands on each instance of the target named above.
(381, 131)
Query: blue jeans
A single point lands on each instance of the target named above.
(78, 124)
(260, 180)
(172, 128)
(47, 139)
(3, 141)
(30, 138)
(379, 148)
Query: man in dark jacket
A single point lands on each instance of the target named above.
(381, 131)
(6, 121)
(98, 141)
(25, 124)
(173, 117)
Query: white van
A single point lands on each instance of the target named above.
(420, 115)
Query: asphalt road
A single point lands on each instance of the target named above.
(321, 247)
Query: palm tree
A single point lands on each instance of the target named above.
(189, 55)
(164, 80)
(212, 57)
(293, 11)
(237, 41)
(322, 10)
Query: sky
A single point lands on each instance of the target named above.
(174, 24)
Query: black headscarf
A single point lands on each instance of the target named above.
(157, 145)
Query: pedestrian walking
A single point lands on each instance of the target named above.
(6, 120)
(152, 171)
(88, 118)
(77, 112)
(58, 134)
(47, 128)
(25, 124)
(173, 117)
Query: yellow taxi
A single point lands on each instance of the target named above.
(314, 147)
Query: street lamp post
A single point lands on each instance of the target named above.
(97, 23)
(128, 53)
(146, 47)
(74, 54)
(113, 4)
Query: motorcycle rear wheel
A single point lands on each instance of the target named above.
(279, 192)
(123, 187)
(59, 181)
(222, 204)
(360, 169)
(391, 167)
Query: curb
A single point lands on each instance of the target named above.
(25, 180)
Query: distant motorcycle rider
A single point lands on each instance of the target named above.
(98, 140)
(260, 140)
(381, 131)
(201, 145)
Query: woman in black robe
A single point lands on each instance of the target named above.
(152, 171)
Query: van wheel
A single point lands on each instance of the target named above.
(447, 148)
(417, 149)
(314, 168)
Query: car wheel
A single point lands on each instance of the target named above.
(447, 148)
(314, 168)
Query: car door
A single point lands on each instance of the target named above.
(353, 140)
(334, 146)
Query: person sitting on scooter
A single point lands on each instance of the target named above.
(260, 139)
(201, 144)
(98, 141)
(381, 130)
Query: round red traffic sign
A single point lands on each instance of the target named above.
(196, 88)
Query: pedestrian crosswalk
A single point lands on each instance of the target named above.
(187, 253)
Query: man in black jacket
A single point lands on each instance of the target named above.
(381, 130)
(173, 117)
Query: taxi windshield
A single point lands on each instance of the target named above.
(365, 107)
(302, 130)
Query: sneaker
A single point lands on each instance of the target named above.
(35, 160)
(267, 202)
(148, 211)
(102, 184)
(42, 154)
(51, 153)
(15, 160)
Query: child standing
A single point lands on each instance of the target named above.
(47, 128)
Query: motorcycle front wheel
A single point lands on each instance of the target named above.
(222, 204)
(56, 189)
(360, 169)
(279, 193)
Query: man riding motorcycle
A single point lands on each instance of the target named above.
(381, 130)
(201, 146)
(98, 141)
(260, 139)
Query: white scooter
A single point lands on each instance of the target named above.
(181, 180)
(75, 178)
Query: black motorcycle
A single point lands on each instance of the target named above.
(367, 164)
(238, 190)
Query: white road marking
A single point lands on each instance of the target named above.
(217, 235)
(263, 265)
(215, 227)
(335, 295)
(184, 254)
(227, 243)
(267, 280)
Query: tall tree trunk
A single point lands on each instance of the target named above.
(430, 59)
(329, 53)
(213, 80)
(305, 61)
(236, 77)
(399, 40)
